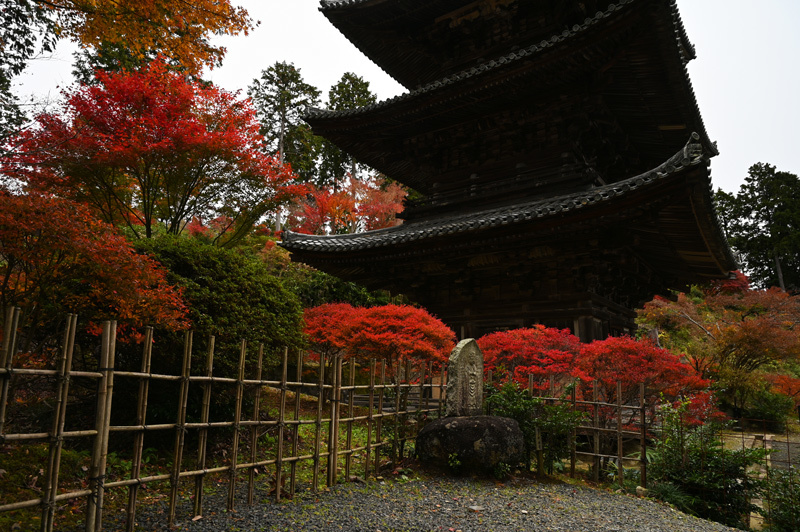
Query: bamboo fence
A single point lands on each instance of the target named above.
(400, 400)
(388, 407)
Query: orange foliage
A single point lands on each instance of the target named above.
(55, 258)
(178, 30)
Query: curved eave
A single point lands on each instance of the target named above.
(366, 132)
(375, 26)
(716, 259)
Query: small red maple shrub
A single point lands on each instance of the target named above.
(634, 362)
(536, 351)
(391, 333)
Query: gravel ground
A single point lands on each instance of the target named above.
(439, 504)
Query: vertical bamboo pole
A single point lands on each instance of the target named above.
(443, 376)
(251, 473)
(596, 425)
(379, 424)
(620, 451)
(202, 440)
(398, 425)
(237, 425)
(333, 425)
(643, 436)
(318, 426)
(180, 426)
(427, 383)
(350, 398)
(9, 346)
(370, 416)
(94, 507)
(57, 431)
(573, 435)
(296, 433)
(138, 439)
(281, 424)
(420, 400)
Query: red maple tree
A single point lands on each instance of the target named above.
(328, 327)
(391, 333)
(537, 351)
(360, 206)
(634, 362)
(55, 258)
(154, 147)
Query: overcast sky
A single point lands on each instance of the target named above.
(746, 76)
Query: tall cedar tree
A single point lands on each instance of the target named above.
(350, 92)
(149, 147)
(280, 96)
(56, 258)
(762, 224)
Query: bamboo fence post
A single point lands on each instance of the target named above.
(370, 416)
(57, 431)
(138, 439)
(9, 346)
(427, 379)
(251, 473)
(281, 424)
(202, 439)
(620, 450)
(180, 426)
(237, 425)
(318, 426)
(573, 436)
(443, 376)
(420, 400)
(333, 425)
(296, 433)
(398, 425)
(379, 424)
(643, 436)
(596, 425)
(94, 506)
(351, 375)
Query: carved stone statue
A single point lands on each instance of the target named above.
(465, 380)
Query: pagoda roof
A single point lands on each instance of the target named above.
(418, 42)
(637, 70)
(691, 227)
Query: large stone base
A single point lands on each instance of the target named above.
(476, 442)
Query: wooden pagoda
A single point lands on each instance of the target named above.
(559, 155)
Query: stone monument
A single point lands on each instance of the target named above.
(465, 380)
(477, 442)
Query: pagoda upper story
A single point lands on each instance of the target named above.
(420, 42)
(516, 99)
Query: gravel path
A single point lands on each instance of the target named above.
(441, 504)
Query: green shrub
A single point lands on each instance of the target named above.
(690, 468)
(231, 295)
(555, 422)
(772, 409)
(783, 500)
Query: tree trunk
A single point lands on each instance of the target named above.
(779, 270)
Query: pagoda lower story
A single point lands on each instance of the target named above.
(582, 261)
